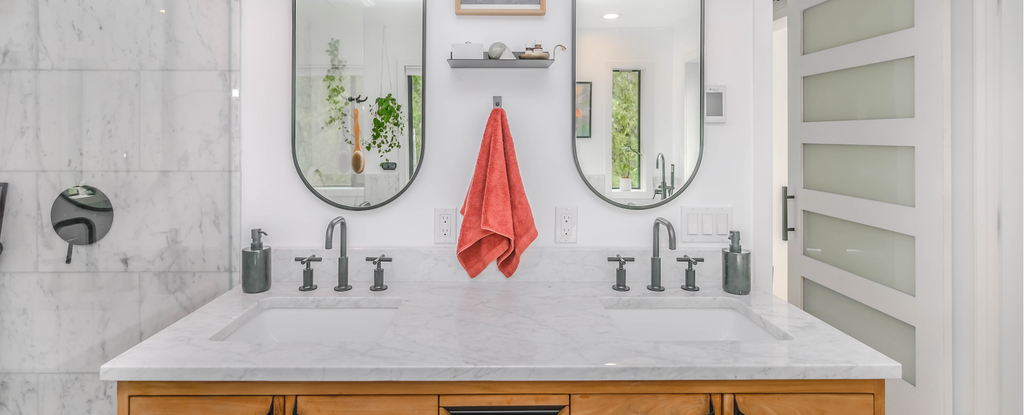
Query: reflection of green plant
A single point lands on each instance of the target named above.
(387, 125)
(336, 103)
(417, 112)
(626, 124)
(627, 167)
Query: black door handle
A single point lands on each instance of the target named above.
(786, 197)
(3, 205)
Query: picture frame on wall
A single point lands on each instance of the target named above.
(584, 105)
(501, 7)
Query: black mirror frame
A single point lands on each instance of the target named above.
(423, 143)
(575, 156)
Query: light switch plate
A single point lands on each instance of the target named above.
(706, 224)
(446, 226)
(566, 225)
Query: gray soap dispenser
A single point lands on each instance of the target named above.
(256, 265)
(735, 267)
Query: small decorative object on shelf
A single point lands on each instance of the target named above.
(497, 51)
(467, 50)
(534, 57)
(535, 52)
(389, 165)
(501, 7)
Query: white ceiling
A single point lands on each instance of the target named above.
(634, 13)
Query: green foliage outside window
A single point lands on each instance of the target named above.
(626, 127)
(416, 128)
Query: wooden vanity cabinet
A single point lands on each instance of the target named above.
(800, 404)
(728, 397)
(648, 404)
(221, 405)
(364, 405)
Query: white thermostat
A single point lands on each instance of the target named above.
(714, 104)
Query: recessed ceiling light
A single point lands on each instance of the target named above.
(611, 16)
(163, 11)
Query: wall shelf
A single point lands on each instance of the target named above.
(501, 63)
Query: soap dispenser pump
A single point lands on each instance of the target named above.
(256, 265)
(735, 267)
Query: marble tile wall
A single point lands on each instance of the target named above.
(134, 98)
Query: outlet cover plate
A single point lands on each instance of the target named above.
(566, 224)
(446, 226)
(705, 224)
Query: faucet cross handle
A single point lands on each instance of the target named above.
(622, 260)
(620, 274)
(306, 260)
(376, 260)
(378, 274)
(690, 261)
(307, 274)
(690, 284)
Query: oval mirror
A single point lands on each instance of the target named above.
(638, 135)
(81, 215)
(357, 103)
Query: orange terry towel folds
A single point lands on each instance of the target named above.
(497, 222)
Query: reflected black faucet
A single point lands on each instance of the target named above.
(656, 259)
(343, 255)
(665, 190)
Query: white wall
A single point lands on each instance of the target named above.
(539, 104)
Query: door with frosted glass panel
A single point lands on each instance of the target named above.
(868, 153)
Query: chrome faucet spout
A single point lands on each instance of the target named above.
(656, 258)
(343, 254)
(657, 236)
(329, 242)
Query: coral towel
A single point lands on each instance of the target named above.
(497, 222)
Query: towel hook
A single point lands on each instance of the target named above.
(497, 102)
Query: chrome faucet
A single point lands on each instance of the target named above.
(656, 259)
(664, 190)
(343, 255)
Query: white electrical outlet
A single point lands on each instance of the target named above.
(706, 224)
(565, 225)
(446, 229)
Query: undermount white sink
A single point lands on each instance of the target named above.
(689, 320)
(312, 320)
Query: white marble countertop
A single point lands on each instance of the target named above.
(510, 331)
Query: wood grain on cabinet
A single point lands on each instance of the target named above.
(504, 400)
(648, 404)
(221, 405)
(366, 405)
(803, 404)
(448, 401)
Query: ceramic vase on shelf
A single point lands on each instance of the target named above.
(625, 184)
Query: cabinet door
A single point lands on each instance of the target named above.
(648, 404)
(366, 405)
(220, 405)
(800, 404)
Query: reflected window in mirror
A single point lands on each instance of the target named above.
(638, 128)
(357, 137)
(627, 148)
